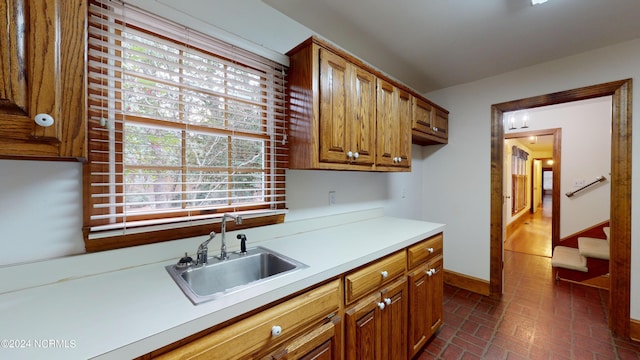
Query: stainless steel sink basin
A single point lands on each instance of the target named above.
(220, 278)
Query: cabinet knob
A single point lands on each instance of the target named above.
(384, 274)
(356, 155)
(387, 301)
(430, 250)
(381, 305)
(276, 330)
(349, 154)
(435, 129)
(44, 120)
(431, 272)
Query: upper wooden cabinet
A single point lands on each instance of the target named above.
(42, 61)
(430, 124)
(344, 114)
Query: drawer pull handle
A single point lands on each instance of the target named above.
(387, 301)
(430, 250)
(276, 330)
(44, 120)
(381, 305)
(384, 274)
(431, 272)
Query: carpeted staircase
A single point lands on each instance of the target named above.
(587, 263)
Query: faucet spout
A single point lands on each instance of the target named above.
(223, 247)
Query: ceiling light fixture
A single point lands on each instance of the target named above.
(537, 2)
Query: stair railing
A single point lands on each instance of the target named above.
(599, 179)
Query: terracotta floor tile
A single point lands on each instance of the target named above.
(536, 318)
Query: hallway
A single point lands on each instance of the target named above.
(533, 236)
(536, 318)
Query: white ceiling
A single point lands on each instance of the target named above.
(432, 44)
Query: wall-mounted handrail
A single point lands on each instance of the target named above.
(600, 178)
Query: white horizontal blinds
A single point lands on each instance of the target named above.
(181, 126)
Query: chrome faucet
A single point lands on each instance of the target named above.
(201, 255)
(223, 247)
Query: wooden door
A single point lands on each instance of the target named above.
(386, 124)
(362, 329)
(362, 115)
(422, 116)
(393, 324)
(42, 65)
(404, 128)
(334, 115)
(435, 294)
(441, 124)
(419, 326)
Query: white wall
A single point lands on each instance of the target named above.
(585, 155)
(465, 207)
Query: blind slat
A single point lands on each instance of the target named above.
(178, 121)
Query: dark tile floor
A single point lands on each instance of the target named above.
(536, 318)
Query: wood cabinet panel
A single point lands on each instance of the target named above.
(253, 335)
(42, 63)
(436, 294)
(376, 326)
(373, 276)
(393, 126)
(424, 250)
(393, 326)
(430, 124)
(321, 343)
(426, 291)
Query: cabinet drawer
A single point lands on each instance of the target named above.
(253, 335)
(371, 277)
(424, 251)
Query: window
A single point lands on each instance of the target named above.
(182, 128)
(518, 179)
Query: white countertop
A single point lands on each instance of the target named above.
(130, 311)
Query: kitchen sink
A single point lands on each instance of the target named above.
(220, 278)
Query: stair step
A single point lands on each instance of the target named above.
(569, 258)
(606, 230)
(592, 247)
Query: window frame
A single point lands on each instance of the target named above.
(151, 228)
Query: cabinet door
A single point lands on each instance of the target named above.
(362, 327)
(362, 115)
(435, 294)
(386, 124)
(405, 112)
(334, 114)
(42, 61)
(422, 116)
(419, 327)
(393, 325)
(441, 124)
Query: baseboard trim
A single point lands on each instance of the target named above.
(466, 282)
(634, 330)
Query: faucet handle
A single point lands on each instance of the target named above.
(243, 243)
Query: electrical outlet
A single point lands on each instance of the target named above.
(332, 197)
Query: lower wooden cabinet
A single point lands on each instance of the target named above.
(255, 336)
(376, 326)
(426, 292)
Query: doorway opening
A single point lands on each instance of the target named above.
(535, 232)
(620, 213)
